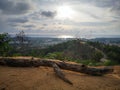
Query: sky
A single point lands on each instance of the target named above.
(61, 18)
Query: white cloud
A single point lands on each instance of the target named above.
(101, 17)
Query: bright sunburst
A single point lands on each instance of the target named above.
(65, 36)
(65, 12)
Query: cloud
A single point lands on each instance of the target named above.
(49, 14)
(116, 7)
(4, 26)
(94, 16)
(28, 26)
(99, 3)
(12, 7)
(18, 20)
(113, 4)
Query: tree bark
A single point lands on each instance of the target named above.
(56, 65)
(63, 65)
(60, 74)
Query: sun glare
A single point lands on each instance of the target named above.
(65, 36)
(65, 12)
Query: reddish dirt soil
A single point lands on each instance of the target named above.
(44, 78)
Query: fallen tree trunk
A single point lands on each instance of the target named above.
(63, 65)
(60, 74)
(56, 65)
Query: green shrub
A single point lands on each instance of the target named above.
(110, 63)
(16, 54)
(97, 56)
(55, 55)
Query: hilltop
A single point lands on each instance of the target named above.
(77, 50)
(43, 78)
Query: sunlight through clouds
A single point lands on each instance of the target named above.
(61, 16)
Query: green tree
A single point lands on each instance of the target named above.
(4, 44)
(97, 56)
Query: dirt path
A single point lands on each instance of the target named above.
(43, 78)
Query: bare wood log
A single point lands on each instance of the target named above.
(60, 74)
(63, 65)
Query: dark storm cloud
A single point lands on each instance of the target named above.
(10, 7)
(49, 14)
(17, 20)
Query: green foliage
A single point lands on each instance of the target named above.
(74, 51)
(109, 63)
(111, 51)
(70, 49)
(16, 54)
(89, 62)
(97, 55)
(55, 55)
(4, 44)
(95, 63)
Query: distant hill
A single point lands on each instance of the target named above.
(107, 40)
(73, 50)
(69, 49)
(77, 50)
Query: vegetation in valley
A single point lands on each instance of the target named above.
(86, 52)
(111, 51)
